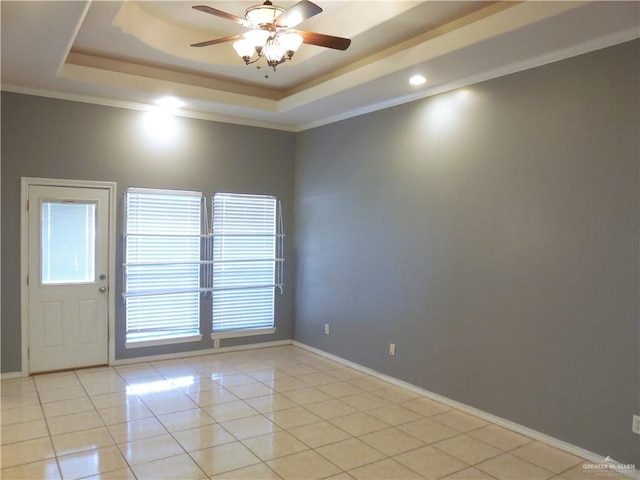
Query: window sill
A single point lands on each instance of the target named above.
(162, 341)
(243, 333)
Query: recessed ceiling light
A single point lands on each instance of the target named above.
(170, 102)
(417, 80)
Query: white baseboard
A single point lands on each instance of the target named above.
(171, 356)
(197, 353)
(534, 434)
(528, 432)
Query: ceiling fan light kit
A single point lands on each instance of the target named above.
(271, 36)
(274, 48)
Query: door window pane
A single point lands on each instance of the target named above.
(68, 242)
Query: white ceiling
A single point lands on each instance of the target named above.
(130, 54)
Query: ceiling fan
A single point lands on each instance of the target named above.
(272, 35)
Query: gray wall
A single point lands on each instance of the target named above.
(59, 139)
(492, 235)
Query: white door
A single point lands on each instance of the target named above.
(67, 284)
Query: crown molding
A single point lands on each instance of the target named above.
(537, 61)
(111, 102)
(534, 62)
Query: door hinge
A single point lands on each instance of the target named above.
(27, 205)
(28, 353)
(27, 280)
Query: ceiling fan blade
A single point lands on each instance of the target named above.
(221, 14)
(297, 14)
(217, 40)
(322, 40)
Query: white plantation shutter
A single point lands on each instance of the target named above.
(246, 263)
(162, 263)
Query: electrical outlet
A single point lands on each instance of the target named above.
(326, 329)
(392, 349)
(636, 424)
(216, 343)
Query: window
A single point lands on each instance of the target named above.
(162, 266)
(68, 243)
(169, 263)
(247, 263)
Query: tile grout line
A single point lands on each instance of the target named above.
(49, 437)
(281, 363)
(168, 432)
(106, 427)
(313, 449)
(304, 408)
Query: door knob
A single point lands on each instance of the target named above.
(102, 289)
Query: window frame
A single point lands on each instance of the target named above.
(178, 337)
(206, 267)
(276, 231)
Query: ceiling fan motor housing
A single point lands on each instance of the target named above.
(263, 15)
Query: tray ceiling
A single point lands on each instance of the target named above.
(131, 53)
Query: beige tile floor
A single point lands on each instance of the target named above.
(279, 412)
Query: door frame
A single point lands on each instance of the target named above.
(27, 182)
